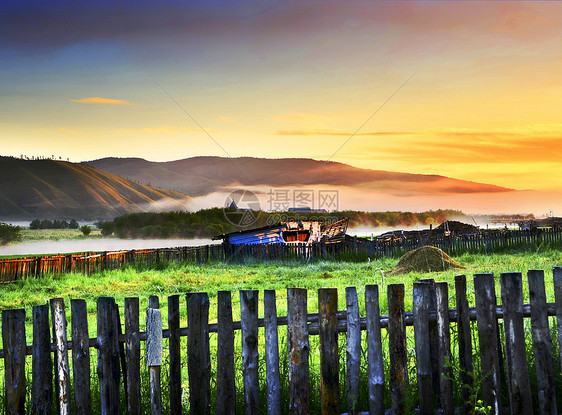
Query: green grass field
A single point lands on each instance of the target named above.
(32, 235)
(178, 278)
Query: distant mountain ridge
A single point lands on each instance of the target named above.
(203, 175)
(59, 190)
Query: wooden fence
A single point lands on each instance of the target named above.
(87, 263)
(437, 352)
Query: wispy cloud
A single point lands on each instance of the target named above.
(223, 118)
(342, 133)
(101, 101)
(161, 129)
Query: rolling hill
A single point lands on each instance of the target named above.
(58, 190)
(203, 175)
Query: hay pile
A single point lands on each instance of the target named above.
(424, 259)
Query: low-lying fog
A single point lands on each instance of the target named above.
(96, 245)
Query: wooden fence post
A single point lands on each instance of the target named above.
(397, 348)
(298, 350)
(42, 364)
(62, 369)
(108, 356)
(557, 277)
(444, 347)
(198, 353)
(154, 357)
(329, 353)
(132, 345)
(272, 353)
(465, 343)
(375, 367)
(485, 297)
(250, 362)
(13, 340)
(174, 381)
(81, 357)
(520, 399)
(542, 345)
(421, 303)
(353, 349)
(226, 387)
(433, 342)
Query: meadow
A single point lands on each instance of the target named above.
(166, 279)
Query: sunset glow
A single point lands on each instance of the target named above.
(87, 80)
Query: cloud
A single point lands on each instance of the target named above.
(225, 119)
(341, 133)
(101, 101)
(161, 129)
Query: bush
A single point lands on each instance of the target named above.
(9, 233)
(86, 229)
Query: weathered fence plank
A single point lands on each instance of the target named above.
(542, 344)
(557, 277)
(174, 379)
(62, 368)
(444, 347)
(250, 358)
(520, 400)
(198, 353)
(375, 361)
(353, 350)
(108, 356)
(465, 343)
(13, 339)
(132, 345)
(298, 349)
(226, 388)
(398, 381)
(421, 304)
(272, 353)
(41, 364)
(485, 297)
(329, 353)
(154, 357)
(81, 357)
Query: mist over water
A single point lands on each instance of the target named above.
(97, 245)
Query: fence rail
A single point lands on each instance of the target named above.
(90, 262)
(436, 350)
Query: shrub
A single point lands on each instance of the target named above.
(86, 229)
(9, 233)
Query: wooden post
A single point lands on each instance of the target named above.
(542, 345)
(517, 369)
(42, 364)
(154, 357)
(108, 356)
(397, 348)
(62, 370)
(132, 345)
(272, 353)
(465, 343)
(198, 353)
(444, 347)
(557, 277)
(226, 388)
(13, 340)
(81, 357)
(174, 381)
(433, 342)
(329, 354)
(353, 349)
(298, 349)
(421, 302)
(249, 323)
(375, 367)
(485, 296)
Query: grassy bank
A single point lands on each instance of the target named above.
(33, 235)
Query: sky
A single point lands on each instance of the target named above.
(469, 90)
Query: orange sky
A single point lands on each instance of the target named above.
(89, 80)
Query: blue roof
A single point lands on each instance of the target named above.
(272, 235)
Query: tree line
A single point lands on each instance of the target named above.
(54, 224)
(207, 223)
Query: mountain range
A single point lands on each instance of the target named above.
(109, 187)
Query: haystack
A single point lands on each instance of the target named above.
(425, 259)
